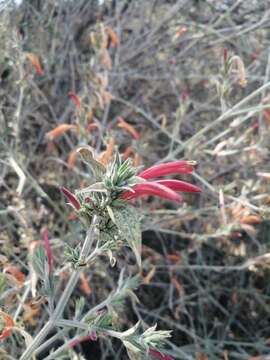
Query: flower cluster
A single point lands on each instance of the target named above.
(166, 189)
(110, 194)
(121, 180)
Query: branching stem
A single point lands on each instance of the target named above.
(41, 336)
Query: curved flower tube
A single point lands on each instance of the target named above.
(151, 188)
(177, 167)
(178, 185)
(71, 198)
(166, 189)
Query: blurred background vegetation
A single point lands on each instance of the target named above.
(151, 80)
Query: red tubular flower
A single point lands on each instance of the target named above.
(178, 167)
(163, 188)
(178, 185)
(71, 198)
(159, 355)
(45, 236)
(151, 188)
(75, 99)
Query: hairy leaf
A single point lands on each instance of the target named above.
(40, 264)
(127, 221)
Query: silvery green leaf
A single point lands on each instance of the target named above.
(132, 351)
(150, 330)
(133, 330)
(155, 337)
(110, 212)
(72, 255)
(39, 262)
(97, 187)
(79, 305)
(127, 221)
(130, 283)
(124, 289)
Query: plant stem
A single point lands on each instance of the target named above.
(87, 245)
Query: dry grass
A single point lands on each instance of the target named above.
(157, 65)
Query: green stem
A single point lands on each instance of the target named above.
(64, 297)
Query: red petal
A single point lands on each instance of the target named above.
(129, 128)
(71, 198)
(75, 99)
(178, 185)
(178, 167)
(5, 333)
(152, 188)
(159, 355)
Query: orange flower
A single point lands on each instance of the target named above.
(60, 130)
(106, 155)
(84, 285)
(15, 273)
(251, 220)
(35, 62)
(9, 323)
(180, 31)
(129, 128)
(174, 257)
(72, 156)
(113, 36)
